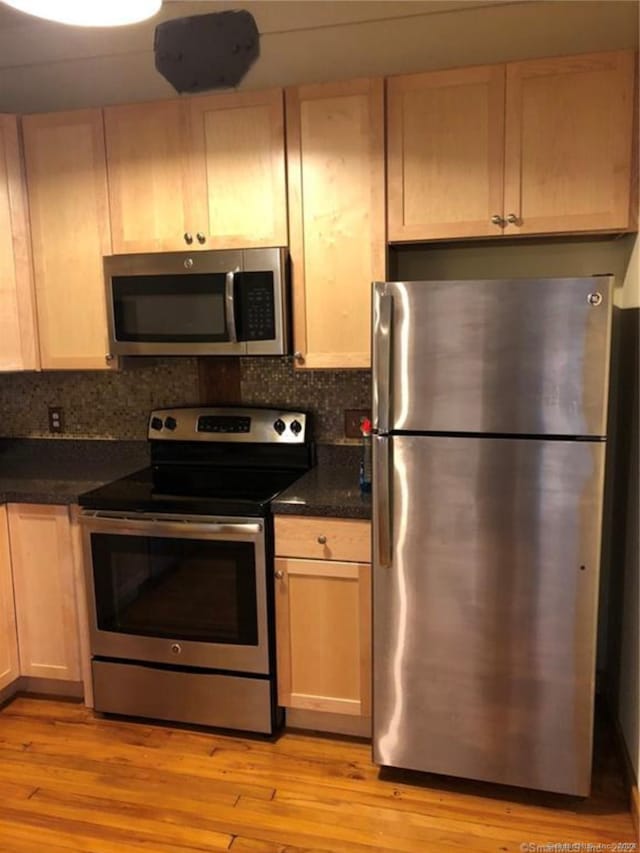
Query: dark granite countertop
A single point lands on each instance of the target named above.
(56, 471)
(329, 489)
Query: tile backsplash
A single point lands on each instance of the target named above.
(116, 405)
(325, 393)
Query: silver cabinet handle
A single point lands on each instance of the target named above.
(496, 219)
(201, 237)
(382, 500)
(229, 309)
(278, 575)
(322, 540)
(109, 357)
(512, 219)
(382, 357)
(298, 356)
(188, 238)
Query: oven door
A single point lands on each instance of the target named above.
(182, 590)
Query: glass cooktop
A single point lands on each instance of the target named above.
(206, 491)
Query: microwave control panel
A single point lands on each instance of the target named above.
(257, 321)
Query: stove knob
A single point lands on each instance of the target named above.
(296, 427)
(170, 423)
(279, 426)
(156, 423)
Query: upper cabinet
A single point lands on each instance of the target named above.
(536, 147)
(67, 186)
(335, 156)
(569, 144)
(446, 153)
(18, 346)
(204, 172)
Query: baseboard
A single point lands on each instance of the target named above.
(321, 721)
(49, 687)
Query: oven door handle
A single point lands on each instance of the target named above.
(125, 525)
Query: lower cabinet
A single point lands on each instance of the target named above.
(323, 615)
(9, 663)
(45, 591)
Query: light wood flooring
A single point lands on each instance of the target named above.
(70, 781)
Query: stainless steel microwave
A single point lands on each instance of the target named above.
(199, 303)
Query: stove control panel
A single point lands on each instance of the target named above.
(257, 426)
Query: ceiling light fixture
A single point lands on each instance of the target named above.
(96, 13)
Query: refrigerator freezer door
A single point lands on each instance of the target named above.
(485, 619)
(518, 356)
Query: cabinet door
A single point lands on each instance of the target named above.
(67, 186)
(323, 635)
(446, 153)
(569, 143)
(18, 346)
(9, 666)
(43, 576)
(335, 157)
(237, 169)
(148, 177)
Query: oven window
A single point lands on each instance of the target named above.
(182, 589)
(173, 308)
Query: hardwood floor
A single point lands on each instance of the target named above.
(70, 781)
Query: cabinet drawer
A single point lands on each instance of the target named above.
(323, 538)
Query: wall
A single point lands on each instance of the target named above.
(99, 404)
(625, 650)
(46, 66)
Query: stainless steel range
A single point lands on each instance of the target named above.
(179, 559)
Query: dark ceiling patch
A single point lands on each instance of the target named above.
(203, 52)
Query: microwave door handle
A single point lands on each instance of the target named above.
(229, 307)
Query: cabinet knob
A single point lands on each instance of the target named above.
(188, 238)
(498, 220)
(109, 357)
(279, 575)
(512, 219)
(201, 237)
(322, 540)
(297, 356)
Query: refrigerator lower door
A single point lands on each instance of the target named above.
(485, 613)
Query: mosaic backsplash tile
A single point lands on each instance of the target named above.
(96, 404)
(325, 393)
(116, 405)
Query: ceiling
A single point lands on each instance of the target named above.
(49, 66)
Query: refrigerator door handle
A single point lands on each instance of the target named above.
(382, 501)
(382, 327)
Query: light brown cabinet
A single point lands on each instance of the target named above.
(45, 592)
(18, 343)
(323, 615)
(335, 158)
(537, 147)
(199, 173)
(67, 186)
(9, 663)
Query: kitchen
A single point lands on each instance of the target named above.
(116, 404)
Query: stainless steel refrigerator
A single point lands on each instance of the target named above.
(489, 416)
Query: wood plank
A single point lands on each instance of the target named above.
(71, 781)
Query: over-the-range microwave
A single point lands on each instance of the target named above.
(199, 303)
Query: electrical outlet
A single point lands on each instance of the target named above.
(352, 420)
(56, 419)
